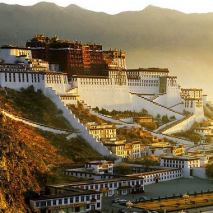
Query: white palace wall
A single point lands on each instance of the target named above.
(153, 108)
(17, 80)
(117, 97)
(175, 139)
(184, 125)
(84, 132)
(107, 96)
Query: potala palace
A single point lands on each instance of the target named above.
(99, 78)
(68, 72)
(75, 75)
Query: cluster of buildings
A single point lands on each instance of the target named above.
(100, 180)
(95, 75)
(68, 72)
(106, 133)
(206, 133)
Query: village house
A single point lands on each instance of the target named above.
(164, 148)
(125, 149)
(102, 131)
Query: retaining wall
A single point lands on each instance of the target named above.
(199, 172)
(152, 107)
(175, 139)
(84, 132)
(34, 124)
(184, 125)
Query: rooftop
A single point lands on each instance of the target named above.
(69, 192)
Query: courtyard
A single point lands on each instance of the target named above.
(162, 189)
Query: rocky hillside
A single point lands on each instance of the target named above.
(30, 158)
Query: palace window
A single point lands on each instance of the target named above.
(82, 198)
(65, 200)
(10, 77)
(49, 203)
(43, 204)
(5, 75)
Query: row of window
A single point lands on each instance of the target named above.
(56, 79)
(64, 201)
(22, 77)
(162, 178)
(68, 98)
(143, 85)
(104, 185)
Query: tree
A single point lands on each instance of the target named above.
(149, 161)
(158, 116)
(165, 119)
(173, 118)
(208, 139)
(123, 169)
(209, 171)
(186, 113)
(195, 138)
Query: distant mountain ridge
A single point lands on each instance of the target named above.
(153, 37)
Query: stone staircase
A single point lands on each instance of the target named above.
(171, 110)
(176, 105)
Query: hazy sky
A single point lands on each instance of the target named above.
(116, 6)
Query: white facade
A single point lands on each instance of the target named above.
(204, 131)
(159, 176)
(13, 55)
(185, 163)
(110, 187)
(101, 167)
(40, 80)
(70, 201)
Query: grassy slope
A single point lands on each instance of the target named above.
(32, 157)
(34, 106)
(84, 115)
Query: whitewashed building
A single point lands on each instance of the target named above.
(184, 163)
(66, 199)
(159, 175)
(117, 186)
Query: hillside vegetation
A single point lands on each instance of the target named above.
(33, 105)
(31, 158)
(27, 159)
(84, 115)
